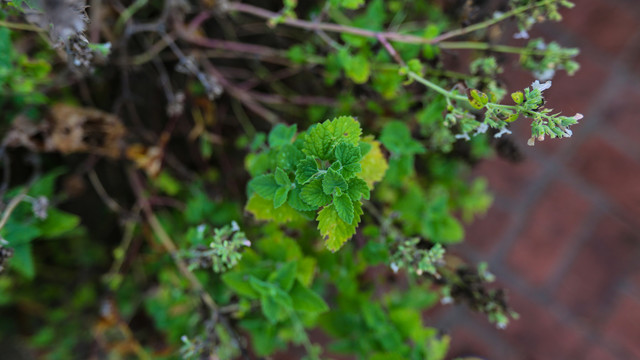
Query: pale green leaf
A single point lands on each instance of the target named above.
(263, 209)
(374, 165)
(334, 230)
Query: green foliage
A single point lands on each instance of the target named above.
(329, 179)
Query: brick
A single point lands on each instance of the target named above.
(604, 23)
(613, 172)
(508, 179)
(623, 326)
(598, 353)
(549, 231)
(538, 334)
(600, 265)
(576, 94)
(486, 230)
(464, 343)
(622, 112)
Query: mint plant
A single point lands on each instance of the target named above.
(324, 172)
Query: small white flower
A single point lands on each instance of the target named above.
(234, 226)
(394, 267)
(523, 34)
(463, 136)
(497, 14)
(501, 325)
(503, 131)
(541, 46)
(531, 141)
(536, 85)
(246, 243)
(545, 75)
(578, 116)
(482, 129)
(201, 228)
(567, 132)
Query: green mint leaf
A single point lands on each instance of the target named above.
(282, 178)
(237, 281)
(307, 169)
(356, 67)
(332, 180)
(347, 4)
(280, 196)
(319, 142)
(321, 139)
(296, 202)
(263, 209)
(344, 207)
(351, 170)
(313, 194)
(305, 300)
(282, 134)
(336, 166)
(264, 185)
(349, 155)
(288, 157)
(364, 148)
(285, 275)
(357, 189)
(397, 138)
(334, 230)
(345, 128)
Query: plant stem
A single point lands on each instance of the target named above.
(310, 25)
(487, 23)
(19, 26)
(474, 45)
(128, 13)
(169, 245)
(12, 206)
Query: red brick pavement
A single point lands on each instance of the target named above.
(564, 234)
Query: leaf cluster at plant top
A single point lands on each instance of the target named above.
(326, 170)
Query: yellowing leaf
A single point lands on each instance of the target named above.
(374, 165)
(263, 209)
(334, 230)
